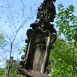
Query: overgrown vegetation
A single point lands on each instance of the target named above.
(63, 58)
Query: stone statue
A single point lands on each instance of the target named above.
(39, 41)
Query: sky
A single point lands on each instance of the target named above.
(20, 13)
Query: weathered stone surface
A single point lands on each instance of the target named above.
(40, 39)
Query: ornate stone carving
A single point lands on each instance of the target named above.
(39, 41)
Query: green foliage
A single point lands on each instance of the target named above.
(11, 66)
(1, 39)
(2, 71)
(61, 59)
(67, 22)
(23, 49)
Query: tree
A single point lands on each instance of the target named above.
(2, 70)
(67, 22)
(61, 59)
(2, 44)
(2, 40)
(64, 55)
(14, 19)
(11, 68)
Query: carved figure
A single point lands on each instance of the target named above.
(39, 41)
